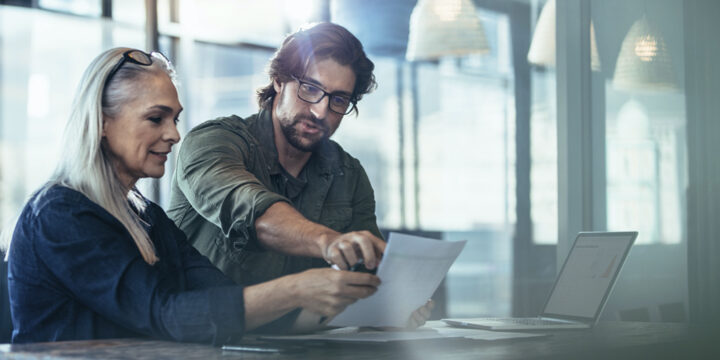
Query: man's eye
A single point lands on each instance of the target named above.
(340, 101)
(311, 89)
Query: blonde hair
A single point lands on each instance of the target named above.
(85, 164)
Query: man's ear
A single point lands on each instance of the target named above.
(277, 85)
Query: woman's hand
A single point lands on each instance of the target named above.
(327, 291)
(419, 316)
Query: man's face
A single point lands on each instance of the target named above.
(306, 125)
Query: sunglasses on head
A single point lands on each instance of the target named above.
(132, 56)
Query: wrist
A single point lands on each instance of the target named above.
(293, 286)
(324, 240)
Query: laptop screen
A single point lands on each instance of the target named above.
(588, 274)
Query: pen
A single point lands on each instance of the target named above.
(257, 349)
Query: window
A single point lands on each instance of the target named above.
(40, 70)
(459, 181)
(77, 7)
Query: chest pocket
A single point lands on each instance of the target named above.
(337, 217)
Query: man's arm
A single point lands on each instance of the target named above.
(284, 229)
(213, 176)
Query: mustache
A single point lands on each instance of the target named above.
(313, 119)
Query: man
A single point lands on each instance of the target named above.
(270, 194)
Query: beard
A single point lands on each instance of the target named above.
(306, 143)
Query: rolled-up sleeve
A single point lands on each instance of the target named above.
(213, 175)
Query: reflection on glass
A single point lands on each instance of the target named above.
(77, 7)
(544, 157)
(373, 138)
(133, 11)
(40, 71)
(644, 171)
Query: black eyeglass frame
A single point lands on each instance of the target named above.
(330, 96)
(127, 57)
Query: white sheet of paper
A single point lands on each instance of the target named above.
(431, 330)
(353, 334)
(411, 269)
(478, 334)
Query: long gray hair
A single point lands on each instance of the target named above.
(85, 164)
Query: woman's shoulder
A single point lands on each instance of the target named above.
(57, 214)
(58, 197)
(60, 204)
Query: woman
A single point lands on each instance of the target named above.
(91, 258)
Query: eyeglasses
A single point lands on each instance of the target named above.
(134, 56)
(339, 104)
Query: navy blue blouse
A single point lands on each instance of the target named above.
(75, 273)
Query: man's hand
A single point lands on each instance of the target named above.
(327, 291)
(344, 250)
(419, 316)
(283, 229)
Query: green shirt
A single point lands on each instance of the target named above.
(228, 174)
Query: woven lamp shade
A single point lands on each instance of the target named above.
(644, 62)
(543, 48)
(444, 28)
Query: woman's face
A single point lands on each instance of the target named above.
(140, 137)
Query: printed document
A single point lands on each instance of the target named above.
(432, 330)
(411, 269)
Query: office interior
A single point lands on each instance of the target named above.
(559, 116)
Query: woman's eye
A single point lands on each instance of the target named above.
(176, 120)
(156, 120)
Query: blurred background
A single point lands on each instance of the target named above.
(512, 124)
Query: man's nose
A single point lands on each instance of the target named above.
(320, 109)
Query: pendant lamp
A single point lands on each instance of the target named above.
(644, 62)
(542, 48)
(444, 28)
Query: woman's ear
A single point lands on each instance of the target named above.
(104, 124)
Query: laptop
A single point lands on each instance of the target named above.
(580, 290)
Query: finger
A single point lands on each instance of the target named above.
(348, 252)
(424, 312)
(335, 257)
(357, 292)
(367, 249)
(419, 319)
(427, 309)
(363, 279)
(414, 321)
(379, 245)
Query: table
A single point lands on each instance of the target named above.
(608, 340)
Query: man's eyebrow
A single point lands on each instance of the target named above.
(320, 85)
